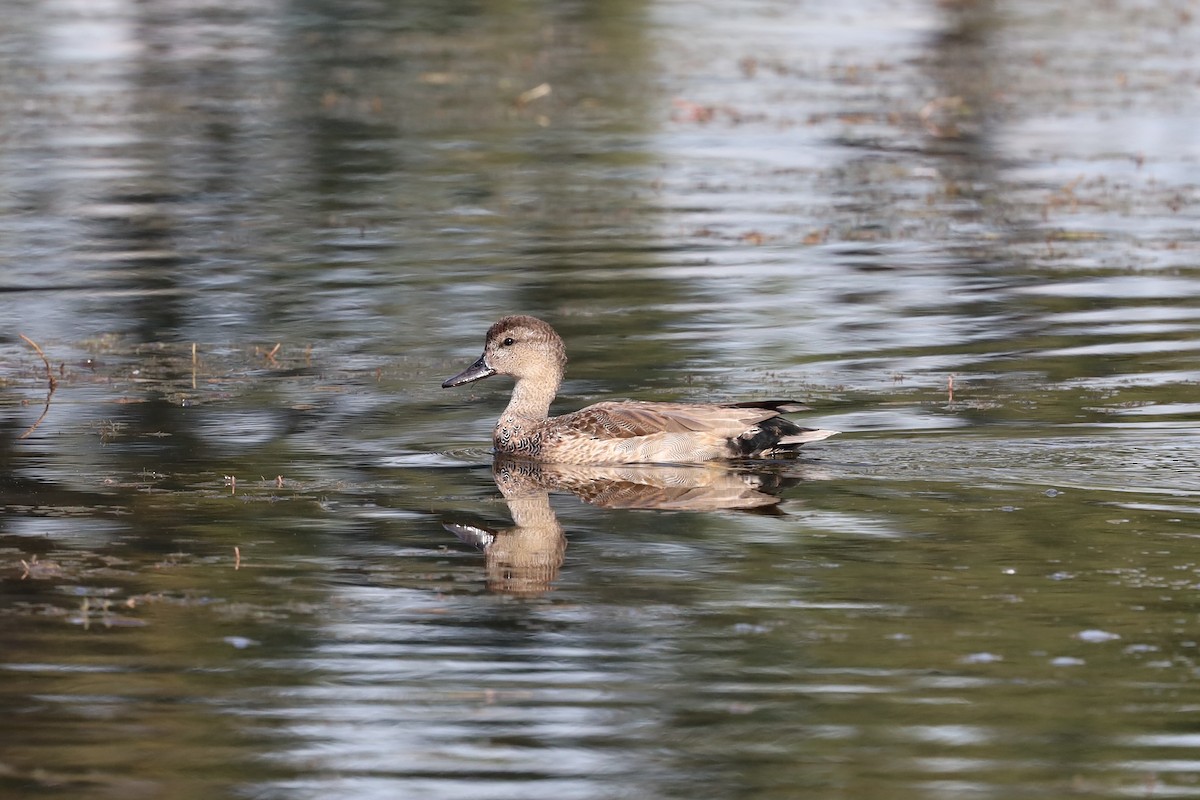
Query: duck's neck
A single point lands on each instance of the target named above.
(531, 397)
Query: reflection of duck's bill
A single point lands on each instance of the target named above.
(477, 371)
(469, 534)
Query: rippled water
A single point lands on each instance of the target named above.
(250, 548)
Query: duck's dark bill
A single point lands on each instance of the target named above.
(475, 372)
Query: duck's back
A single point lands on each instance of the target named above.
(639, 432)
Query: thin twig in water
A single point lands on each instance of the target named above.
(50, 380)
(46, 361)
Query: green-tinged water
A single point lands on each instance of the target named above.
(249, 548)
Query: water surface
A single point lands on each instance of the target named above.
(252, 548)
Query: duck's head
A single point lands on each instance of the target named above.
(520, 346)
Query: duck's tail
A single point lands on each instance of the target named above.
(782, 406)
(776, 436)
(806, 435)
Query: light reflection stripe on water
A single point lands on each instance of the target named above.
(1163, 740)
(1124, 348)
(1171, 509)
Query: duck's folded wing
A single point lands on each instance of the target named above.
(626, 419)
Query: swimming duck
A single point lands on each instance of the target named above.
(621, 431)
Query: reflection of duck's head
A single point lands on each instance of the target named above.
(623, 431)
(523, 560)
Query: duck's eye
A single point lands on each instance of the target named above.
(509, 341)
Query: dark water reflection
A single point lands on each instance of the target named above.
(229, 573)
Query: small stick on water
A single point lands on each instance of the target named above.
(46, 361)
(237, 557)
(278, 481)
(231, 482)
(950, 387)
(193, 365)
(49, 378)
(271, 353)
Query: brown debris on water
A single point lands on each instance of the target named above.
(536, 93)
(270, 354)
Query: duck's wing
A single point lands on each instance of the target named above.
(627, 419)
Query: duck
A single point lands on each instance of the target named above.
(529, 350)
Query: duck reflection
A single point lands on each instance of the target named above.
(524, 560)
